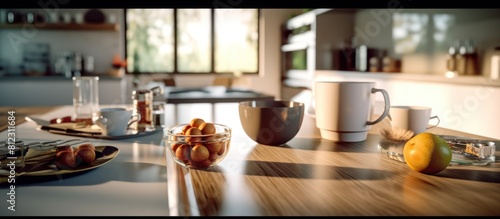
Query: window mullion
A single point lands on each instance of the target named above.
(175, 42)
(212, 42)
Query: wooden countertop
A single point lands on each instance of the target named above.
(307, 176)
(311, 176)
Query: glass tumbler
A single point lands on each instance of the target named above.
(86, 99)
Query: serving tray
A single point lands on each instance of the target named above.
(92, 131)
(465, 150)
(129, 134)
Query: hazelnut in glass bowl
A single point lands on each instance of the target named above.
(198, 144)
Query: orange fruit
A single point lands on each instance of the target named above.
(207, 128)
(196, 122)
(427, 153)
(199, 153)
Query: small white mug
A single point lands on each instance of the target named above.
(116, 121)
(414, 118)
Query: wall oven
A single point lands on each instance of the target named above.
(298, 60)
(298, 49)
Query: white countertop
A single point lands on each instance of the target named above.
(470, 80)
(132, 184)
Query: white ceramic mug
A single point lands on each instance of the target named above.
(344, 108)
(414, 118)
(115, 121)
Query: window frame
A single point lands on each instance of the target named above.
(212, 50)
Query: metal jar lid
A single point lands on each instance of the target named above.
(141, 94)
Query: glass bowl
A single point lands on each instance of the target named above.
(197, 151)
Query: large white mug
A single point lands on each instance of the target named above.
(414, 118)
(115, 121)
(344, 109)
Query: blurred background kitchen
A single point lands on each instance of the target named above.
(443, 58)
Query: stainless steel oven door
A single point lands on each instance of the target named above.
(298, 60)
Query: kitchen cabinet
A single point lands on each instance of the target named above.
(307, 43)
(416, 40)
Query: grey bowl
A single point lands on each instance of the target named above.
(271, 122)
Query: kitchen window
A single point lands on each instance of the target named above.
(192, 41)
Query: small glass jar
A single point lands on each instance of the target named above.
(143, 105)
(159, 114)
(158, 107)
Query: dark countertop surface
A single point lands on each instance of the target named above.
(49, 77)
(212, 94)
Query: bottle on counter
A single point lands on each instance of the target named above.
(451, 62)
(88, 65)
(390, 64)
(471, 65)
(375, 61)
(374, 64)
(68, 64)
(495, 64)
(362, 58)
(461, 58)
(77, 66)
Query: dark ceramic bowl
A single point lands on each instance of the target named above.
(271, 122)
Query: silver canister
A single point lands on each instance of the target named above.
(158, 106)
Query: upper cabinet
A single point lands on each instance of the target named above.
(414, 41)
(67, 19)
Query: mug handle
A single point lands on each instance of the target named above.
(438, 121)
(103, 124)
(137, 118)
(386, 107)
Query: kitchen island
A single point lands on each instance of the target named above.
(311, 176)
(306, 176)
